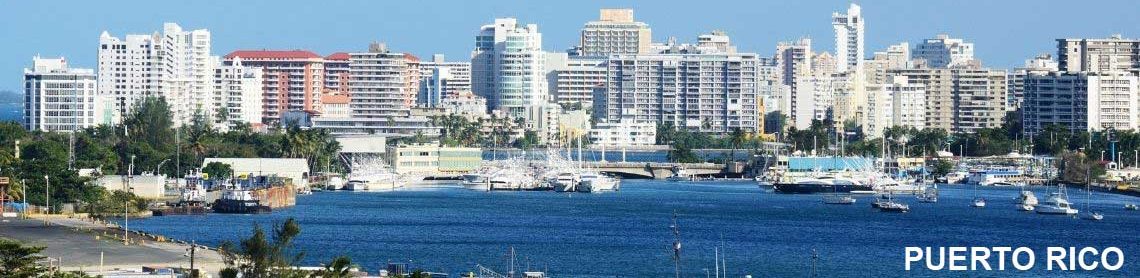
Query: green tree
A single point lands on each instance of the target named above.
(218, 170)
(17, 260)
(258, 257)
(340, 267)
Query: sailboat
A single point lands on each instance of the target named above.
(1089, 214)
(978, 202)
(892, 206)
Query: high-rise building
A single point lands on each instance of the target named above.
(944, 52)
(962, 99)
(1041, 64)
(895, 57)
(58, 98)
(1114, 54)
(175, 64)
(615, 32)
(1081, 101)
(573, 79)
(508, 67)
(237, 95)
(794, 70)
(128, 70)
(440, 79)
(897, 103)
(336, 74)
(848, 38)
(378, 85)
(712, 93)
(294, 80)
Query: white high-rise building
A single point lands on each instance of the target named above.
(615, 32)
(508, 67)
(440, 79)
(237, 95)
(944, 52)
(186, 73)
(175, 64)
(58, 98)
(573, 79)
(128, 70)
(848, 39)
(1113, 54)
(794, 70)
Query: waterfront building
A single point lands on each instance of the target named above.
(944, 52)
(433, 159)
(60, 98)
(293, 80)
(713, 93)
(144, 186)
(128, 71)
(508, 67)
(236, 96)
(898, 103)
(187, 73)
(440, 79)
(961, 99)
(624, 133)
(382, 88)
(1042, 64)
(1113, 54)
(615, 32)
(848, 39)
(1081, 101)
(573, 79)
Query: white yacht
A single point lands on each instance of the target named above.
(356, 185)
(566, 181)
(1026, 200)
(476, 181)
(979, 203)
(595, 182)
(1057, 204)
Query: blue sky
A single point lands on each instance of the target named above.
(1005, 32)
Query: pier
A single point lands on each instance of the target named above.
(655, 170)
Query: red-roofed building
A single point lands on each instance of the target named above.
(336, 74)
(293, 79)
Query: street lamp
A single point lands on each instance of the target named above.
(1101, 155)
(127, 202)
(47, 194)
(158, 169)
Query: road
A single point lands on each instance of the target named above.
(78, 245)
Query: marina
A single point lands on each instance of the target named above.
(446, 228)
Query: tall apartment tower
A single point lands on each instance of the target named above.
(1081, 101)
(175, 64)
(573, 79)
(794, 69)
(237, 95)
(440, 79)
(58, 98)
(378, 83)
(293, 80)
(615, 32)
(848, 39)
(1114, 54)
(128, 70)
(944, 52)
(187, 72)
(508, 67)
(962, 99)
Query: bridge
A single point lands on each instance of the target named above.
(655, 170)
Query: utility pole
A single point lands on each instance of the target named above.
(47, 193)
(127, 202)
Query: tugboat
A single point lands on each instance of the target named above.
(239, 201)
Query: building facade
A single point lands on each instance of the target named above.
(440, 79)
(1114, 54)
(293, 80)
(961, 99)
(615, 32)
(943, 52)
(898, 103)
(508, 67)
(236, 97)
(59, 98)
(1081, 101)
(713, 93)
(572, 79)
(623, 134)
(128, 71)
(848, 39)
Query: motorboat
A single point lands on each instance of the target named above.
(1027, 197)
(476, 181)
(679, 174)
(566, 181)
(838, 199)
(1025, 207)
(356, 185)
(1131, 207)
(594, 182)
(979, 203)
(1057, 204)
(825, 184)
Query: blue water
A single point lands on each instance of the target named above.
(449, 229)
(11, 111)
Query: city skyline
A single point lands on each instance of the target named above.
(455, 23)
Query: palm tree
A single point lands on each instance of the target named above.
(341, 267)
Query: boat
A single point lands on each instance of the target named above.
(566, 182)
(1131, 207)
(979, 203)
(239, 201)
(954, 177)
(1089, 213)
(838, 199)
(821, 185)
(894, 207)
(594, 182)
(1025, 207)
(1057, 203)
(930, 195)
(356, 185)
(1027, 197)
(476, 181)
